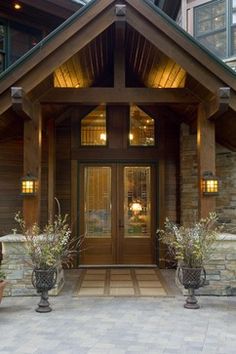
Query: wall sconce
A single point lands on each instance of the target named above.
(29, 185)
(210, 184)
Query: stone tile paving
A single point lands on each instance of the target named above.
(118, 326)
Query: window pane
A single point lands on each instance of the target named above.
(97, 196)
(93, 128)
(2, 65)
(21, 40)
(2, 37)
(142, 128)
(210, 17)
(218, 22)
(234, 17)
(234, 4)
(216, 43)
(137, 201)
(234, 41)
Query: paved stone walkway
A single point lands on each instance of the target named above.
(118, 325)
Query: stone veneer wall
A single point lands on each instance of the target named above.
(188, 176)
(221, 271)
(225, 170)
(17, 267)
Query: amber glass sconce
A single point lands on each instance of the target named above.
(29, 185)
(210, 184)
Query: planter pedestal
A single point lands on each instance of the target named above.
(191, 279)
(191, 301)
(43, 281)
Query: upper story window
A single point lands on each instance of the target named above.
(215, 26)
(142, 128)
(93, 128)
(15, 40)
(2, 47)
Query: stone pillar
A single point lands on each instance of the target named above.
(17, 266)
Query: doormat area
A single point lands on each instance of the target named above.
(121, 282)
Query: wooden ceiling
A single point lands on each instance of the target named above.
(150, 65)
(90, 65)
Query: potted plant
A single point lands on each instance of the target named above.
(192, 247)
(2, 284)
(47, 248)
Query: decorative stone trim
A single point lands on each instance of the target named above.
(17, 266)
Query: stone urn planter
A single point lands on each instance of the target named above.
(191, 279)
(44, 280)
(2, 286)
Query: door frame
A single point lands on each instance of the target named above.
(118, 167)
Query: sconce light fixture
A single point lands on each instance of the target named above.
(29, 185)
(210, 184)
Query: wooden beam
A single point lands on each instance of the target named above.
(32, 163)
(97, 95)
(119, 55)
(51, 169)
(206, 157)
(220, 104)
(20, 103)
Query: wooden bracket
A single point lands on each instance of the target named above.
(221, 103)
(21, 104)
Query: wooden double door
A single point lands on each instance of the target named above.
(117, 214)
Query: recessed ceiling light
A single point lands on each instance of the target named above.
(17, 6)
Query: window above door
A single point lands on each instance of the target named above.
(93, 128)
(142, 128)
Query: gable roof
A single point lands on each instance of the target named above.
(91, 20)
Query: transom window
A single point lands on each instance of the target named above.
(142, 128)
(93, 128)
(215, 26)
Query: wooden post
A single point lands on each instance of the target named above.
(51, 169)
(119, 57)
(32, 163)
(206, 157)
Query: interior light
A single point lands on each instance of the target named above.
(103, 136)
(131, 136)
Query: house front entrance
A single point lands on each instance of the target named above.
(117, 213)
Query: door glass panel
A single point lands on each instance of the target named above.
(97, 205)
(93, 128)
(137, 204)
(142, 128)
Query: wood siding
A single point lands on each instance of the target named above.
(11, 167)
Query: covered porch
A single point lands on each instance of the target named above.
(119, 114)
